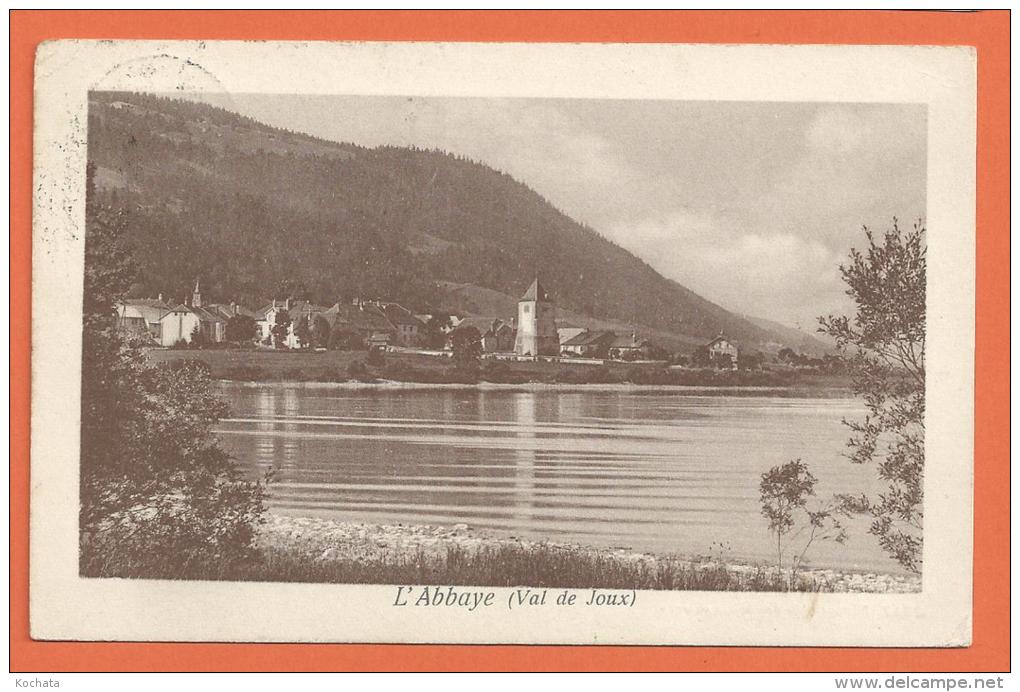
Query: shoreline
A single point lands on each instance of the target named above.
(627, 387)
(325, 542)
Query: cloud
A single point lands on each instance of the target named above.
(753, 205)
(778, 275)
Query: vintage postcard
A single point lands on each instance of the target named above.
(503, 343)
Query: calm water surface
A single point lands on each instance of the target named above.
(662, 472)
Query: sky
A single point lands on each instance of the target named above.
(752, 205)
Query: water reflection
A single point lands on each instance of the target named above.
(524, 476)
(662, 472)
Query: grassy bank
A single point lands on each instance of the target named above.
(323, 551)
(503, 565)
(342, 366)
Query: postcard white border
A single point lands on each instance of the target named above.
(64, 606)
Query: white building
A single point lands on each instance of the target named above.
(536, 324)
(181, 323)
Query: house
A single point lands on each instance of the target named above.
(408, 327)
(184, 322)
(720, 345)
(566, 332)
(363, 322)
(181, 323)
(267, 317)
(590, 343)
(720, 349)
(628, 347)
(139, 318)
(290, 311)
(499, 337)
(228, 310)
(536, 323)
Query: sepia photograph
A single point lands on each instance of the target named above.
(446, 349)
(504, 342)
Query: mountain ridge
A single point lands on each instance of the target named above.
(255, 210)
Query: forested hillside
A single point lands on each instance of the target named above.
(256, 211)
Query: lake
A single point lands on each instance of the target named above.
(652, 471)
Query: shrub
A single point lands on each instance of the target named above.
(784, 491)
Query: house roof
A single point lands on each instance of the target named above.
(627, 341)
(202, 314)
(719, 338)
(482, 324)
(207, 316)
(397, 314)
(297, 308)
(226, 311)
(499, 327)
(363, 318)
(146, 303)
(590, 337)
(536, 292)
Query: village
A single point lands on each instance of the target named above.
(377, 325)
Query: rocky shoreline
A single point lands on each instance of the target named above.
(325, 541)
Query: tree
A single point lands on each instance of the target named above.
(467, 350)
(293, 288)
(343, 338)
(883, 348)
(281, 328)
(722, 361)
(434, 334)
(241, 329)
(701, 358)
(303, 332)
(158, 496)
(198, 338)
(320, 332)
(784, 491)
(750, 361)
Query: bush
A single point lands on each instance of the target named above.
(156, 486)
(784, 492)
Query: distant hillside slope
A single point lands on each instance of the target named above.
(797, 339)
(256, 211)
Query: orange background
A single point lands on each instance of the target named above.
(988, 31)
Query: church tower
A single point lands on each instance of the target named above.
(536, 325)
(196, 297)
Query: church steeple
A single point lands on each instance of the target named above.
(196, 297)
(536, 292)
(536, 324)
